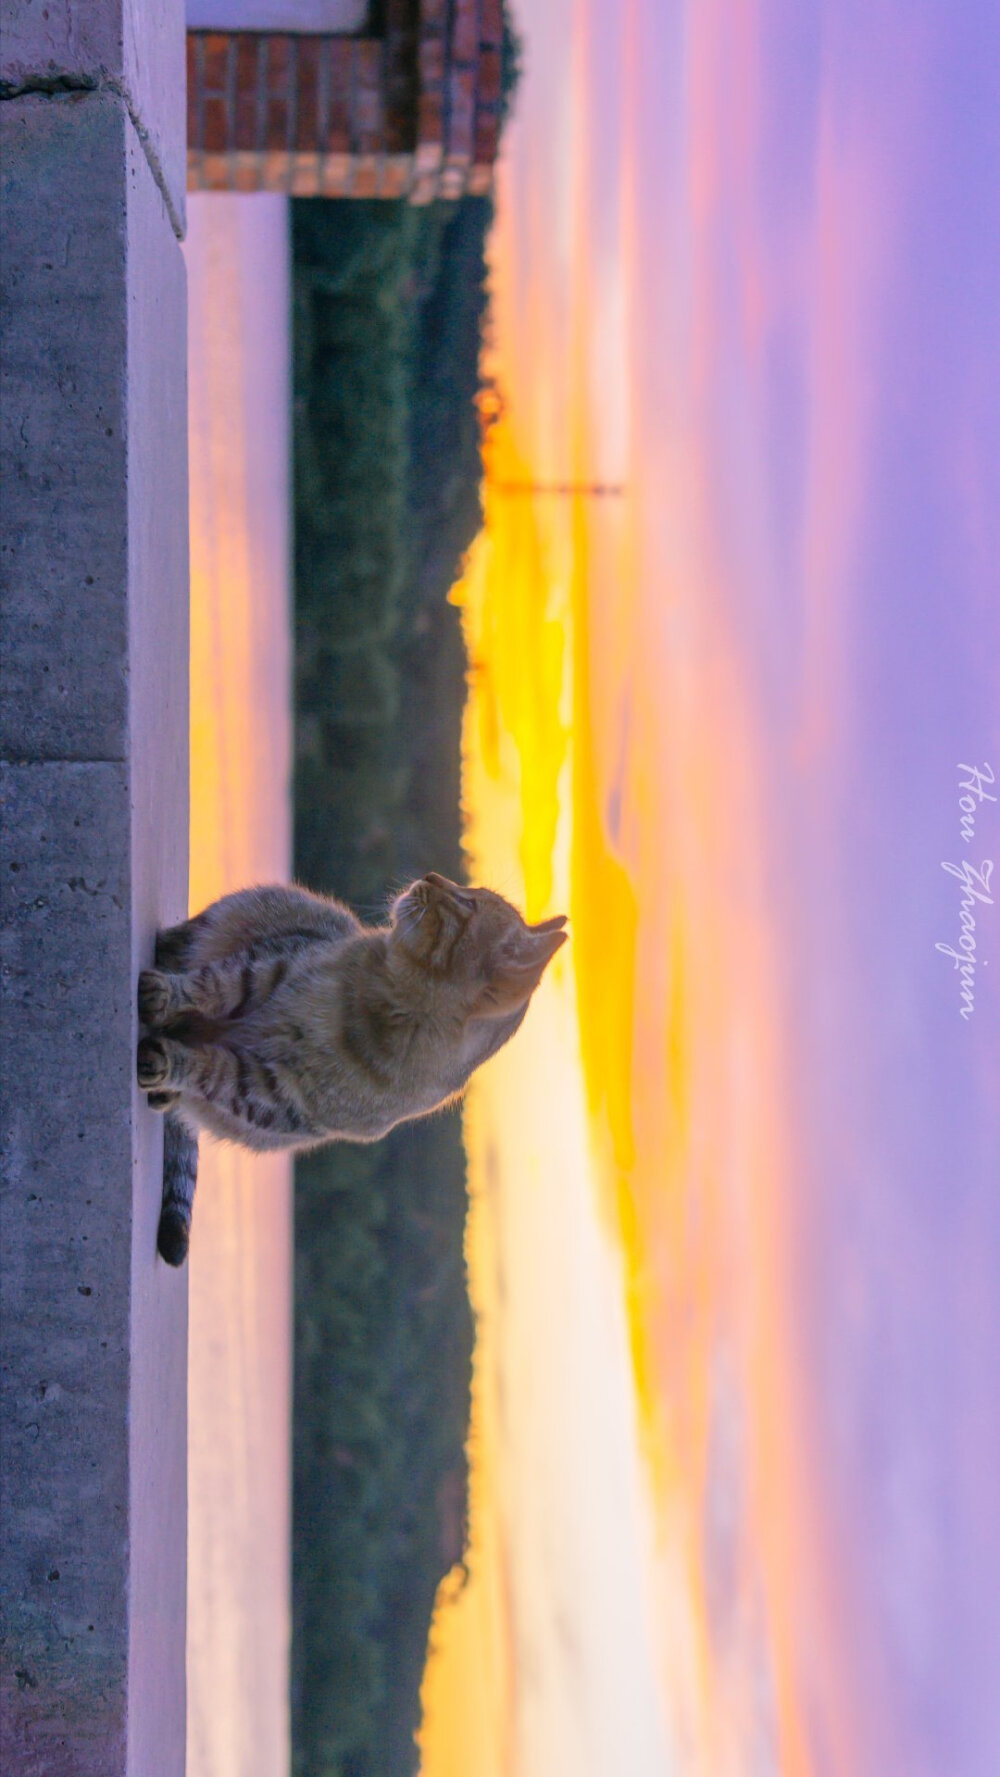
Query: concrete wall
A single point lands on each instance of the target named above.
(132, 48)
(93, 655)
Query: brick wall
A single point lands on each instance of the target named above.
(414, 112)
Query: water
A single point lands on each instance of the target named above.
(239, 1382)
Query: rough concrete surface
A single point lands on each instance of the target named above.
(64, 630)
(133, 48)
(66, 1262)
(94, 746)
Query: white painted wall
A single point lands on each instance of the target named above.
(239, 1379)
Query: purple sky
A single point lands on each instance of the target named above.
(819, 296)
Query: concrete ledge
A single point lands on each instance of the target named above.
(131, 48)
(95, 641)
(67, 164)
(66, 1279)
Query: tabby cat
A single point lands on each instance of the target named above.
(277, 1020)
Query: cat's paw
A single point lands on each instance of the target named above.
(152, 1066)
(162, 1101)
(153, 997)
(175, 945)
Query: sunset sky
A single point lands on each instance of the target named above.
(735, 1245)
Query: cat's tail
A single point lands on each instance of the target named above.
(180, 1176)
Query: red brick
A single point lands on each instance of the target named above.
(465, 31)
(396, 134)
(279, 59)
(193, 92)
(307, 108)
(277, 78)
(363, 95)
(431, 62)
(214, 172)
(491, 22)
(368, 59)
(338, 59)
(305, 175)
(215, 63)
(216, 130)
(274, 170)
(368, 135)
(368, 138)
(334, 175)
(461, 119)
(487, 136)
(247, 122)
(247, 173)
(365, 180)
(430, 122)
(490, 77)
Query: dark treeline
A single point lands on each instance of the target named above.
(388, 313)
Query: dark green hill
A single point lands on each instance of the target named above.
(388, 312)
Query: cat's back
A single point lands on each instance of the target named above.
(271, 920)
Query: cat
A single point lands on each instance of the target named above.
(277, 1020)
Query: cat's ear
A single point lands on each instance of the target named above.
(514, 978)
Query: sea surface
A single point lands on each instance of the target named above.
(239, 1379)
(734, 629)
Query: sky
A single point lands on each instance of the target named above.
(735, 1244)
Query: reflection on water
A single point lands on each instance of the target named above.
(735, 1246)
(239, 1385)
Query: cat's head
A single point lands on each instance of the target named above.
(473, 943)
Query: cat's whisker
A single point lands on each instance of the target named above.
(411, 920)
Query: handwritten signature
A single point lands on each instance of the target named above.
(974, 782)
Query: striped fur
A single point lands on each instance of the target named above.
(275, 1019)
(180, 1176)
